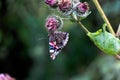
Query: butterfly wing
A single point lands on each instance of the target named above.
(57, 41)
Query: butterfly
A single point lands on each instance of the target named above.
(57, 39)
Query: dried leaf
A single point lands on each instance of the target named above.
(118, 32)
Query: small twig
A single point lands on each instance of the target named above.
(84, 28)
(79, 22)
(117, 56)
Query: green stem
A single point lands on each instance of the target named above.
(82, 26)
(104, 16)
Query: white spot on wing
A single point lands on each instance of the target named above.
(51, 51)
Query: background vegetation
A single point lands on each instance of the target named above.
(24, 49)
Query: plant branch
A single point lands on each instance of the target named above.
(79, 22)
(84, 28)
(103, 16)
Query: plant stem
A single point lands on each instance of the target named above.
(103, 16)
(84, 28)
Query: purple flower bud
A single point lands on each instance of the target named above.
(83, 7)
(5, 77)
(65, 6)
(53, 23)
(52, 3)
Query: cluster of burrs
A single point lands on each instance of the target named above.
(72, 10)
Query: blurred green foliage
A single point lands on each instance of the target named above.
(24, 44)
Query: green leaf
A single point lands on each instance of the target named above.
(105, 41)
